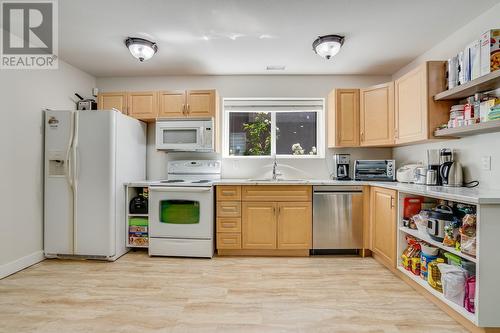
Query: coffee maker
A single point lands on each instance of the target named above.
(341, 166)
(433, 165)
(450, 171)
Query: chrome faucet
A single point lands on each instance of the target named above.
(275, 166)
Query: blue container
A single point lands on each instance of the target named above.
(425, 259)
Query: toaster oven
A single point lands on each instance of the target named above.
(380, 170)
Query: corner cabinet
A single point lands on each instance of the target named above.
(274, 220)
(383, 224)
(343, 118)
(113, 100)
(417, 114)
(377, 115)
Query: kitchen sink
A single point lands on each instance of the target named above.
(270, 180)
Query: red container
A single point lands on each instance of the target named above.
(412, 206)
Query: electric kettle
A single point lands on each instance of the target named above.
(451, 174)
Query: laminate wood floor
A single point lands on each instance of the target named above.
(142, 294)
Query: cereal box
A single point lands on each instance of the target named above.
(490, 51)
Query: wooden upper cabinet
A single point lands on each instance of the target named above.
(113, 100)
(377, 115)
(294, 225)
(343, 118)
(172, 104)
(417, 114)
(143, 105)
(200, 103)
(258, 225)
(384, 224)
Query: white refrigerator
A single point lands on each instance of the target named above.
(89, 156)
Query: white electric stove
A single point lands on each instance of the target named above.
(181, 210)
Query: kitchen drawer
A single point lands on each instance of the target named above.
(229, 193)
(267, 193)
(228, 224)
(229, 240)
(228, 209)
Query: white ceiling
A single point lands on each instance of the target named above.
(243, 37)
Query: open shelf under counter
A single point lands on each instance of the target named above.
(460, 309)
(428, 239)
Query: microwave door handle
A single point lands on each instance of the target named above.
(202, 136)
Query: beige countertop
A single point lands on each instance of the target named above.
(468, 195)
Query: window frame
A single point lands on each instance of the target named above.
(320, 129)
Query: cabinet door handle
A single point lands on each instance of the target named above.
(392, 202)
(183, 108)
(279, 210)
(187, 108)
(274, 210)
(362, 136)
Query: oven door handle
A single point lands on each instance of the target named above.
(179, 189)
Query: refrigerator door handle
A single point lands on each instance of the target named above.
(74, 177)
(68, 164)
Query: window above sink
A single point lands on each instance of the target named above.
(260, 128)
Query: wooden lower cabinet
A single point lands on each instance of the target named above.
(229, 241)
(275, 225)
(294, 225)
(383, 222)
(258, 225)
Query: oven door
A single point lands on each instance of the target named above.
(181, 212)
(170, 137)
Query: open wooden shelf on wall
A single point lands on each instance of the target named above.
(484, 83)
(480, 128)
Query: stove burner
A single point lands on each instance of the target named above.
(172, 181)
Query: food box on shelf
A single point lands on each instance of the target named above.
(141, 229)
(138, 241)
(490, 51)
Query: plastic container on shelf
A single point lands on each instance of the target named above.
(469, 267)
(429, 250)
(434, 274)
(411, 207)
(453, 259)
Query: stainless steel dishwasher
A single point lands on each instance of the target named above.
(337, 218)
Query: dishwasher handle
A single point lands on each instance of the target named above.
(337, 188)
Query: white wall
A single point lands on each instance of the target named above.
(471, 149)
(23, 95)
(251, 86)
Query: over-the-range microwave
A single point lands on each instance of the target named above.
(185, 134)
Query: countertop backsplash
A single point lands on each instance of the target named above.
(314, 168)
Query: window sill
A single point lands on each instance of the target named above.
(278, 157)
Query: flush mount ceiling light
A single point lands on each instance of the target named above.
(141, 48)
(328, 46)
